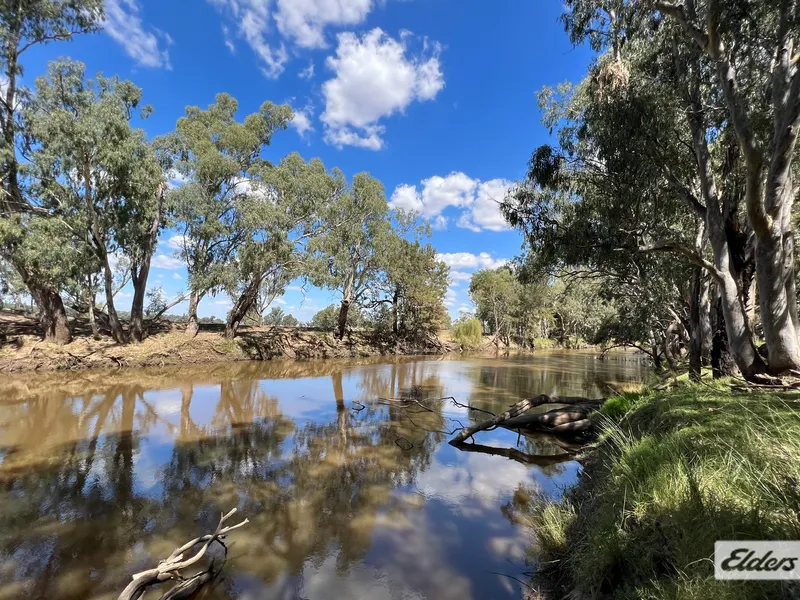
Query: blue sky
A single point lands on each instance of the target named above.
(436, 98)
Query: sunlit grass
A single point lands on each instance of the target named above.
(676, 471)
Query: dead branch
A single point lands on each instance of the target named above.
(558, 421)
(170, 568)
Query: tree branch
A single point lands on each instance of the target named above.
(692, 255)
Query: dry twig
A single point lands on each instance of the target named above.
(170, 568)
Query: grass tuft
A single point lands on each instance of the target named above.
(673, 473)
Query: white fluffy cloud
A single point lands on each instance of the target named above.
(253, 21)
(265, 24)
(467, 260)
(123, 24)
(177, 242)
(460, 276)
(163, 261)
(374, 77)
(479, 200)
(304, 21)
(302, 121)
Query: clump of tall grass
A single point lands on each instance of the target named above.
(673, 473)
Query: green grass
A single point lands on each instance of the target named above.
(674, 472)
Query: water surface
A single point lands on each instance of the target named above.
(349, 497)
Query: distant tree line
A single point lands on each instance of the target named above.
(86, 197)
(567, 309)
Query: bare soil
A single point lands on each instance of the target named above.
(22, 348)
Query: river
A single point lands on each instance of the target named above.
(104, 473)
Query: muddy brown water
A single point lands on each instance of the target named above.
(103, 473)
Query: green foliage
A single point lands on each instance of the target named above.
(89, 165)
(678, 471)
(495, 294)
(157, 301)
(12, 288)
(328, 318)
(277, 317)
(346, 257)
(467, 332)
(411, 287)
(218, 156)
(290, 321)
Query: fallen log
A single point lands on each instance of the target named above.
(549, 419)
(560, 420)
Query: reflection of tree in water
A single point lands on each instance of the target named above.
(73, 514)
(499, 384)
(76, 523)
(399, 378)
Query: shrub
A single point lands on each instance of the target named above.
(467, 332)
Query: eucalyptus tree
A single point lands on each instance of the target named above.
(413, 282)
(347, 258)
(26, 242)
(495, 293)
(327, 319)
(99, 173)
(217, 155)
(645, 163)
(287, 206)
(753, 46)
(735, 107)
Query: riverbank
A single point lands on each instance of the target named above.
(674, 472)
(22, 350)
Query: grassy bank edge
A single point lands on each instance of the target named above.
(673, 472)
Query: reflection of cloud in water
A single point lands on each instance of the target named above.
(420, 557)
(362, 582)
(482, 478)
(166, 403)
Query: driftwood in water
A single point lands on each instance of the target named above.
(170, 569)
(573, 419)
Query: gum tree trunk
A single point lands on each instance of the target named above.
(92, 317)
(52, 314)
(141, 271)
(776, 293)
(244, 303)
(137, 305)
(53, 317)
(347, 299)
(117, 332)
(342, 322)
(769, 192)
(700, 324)
(193, 326)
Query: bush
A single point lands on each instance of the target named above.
(468, 332)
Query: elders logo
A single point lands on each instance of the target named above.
(757, 560)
